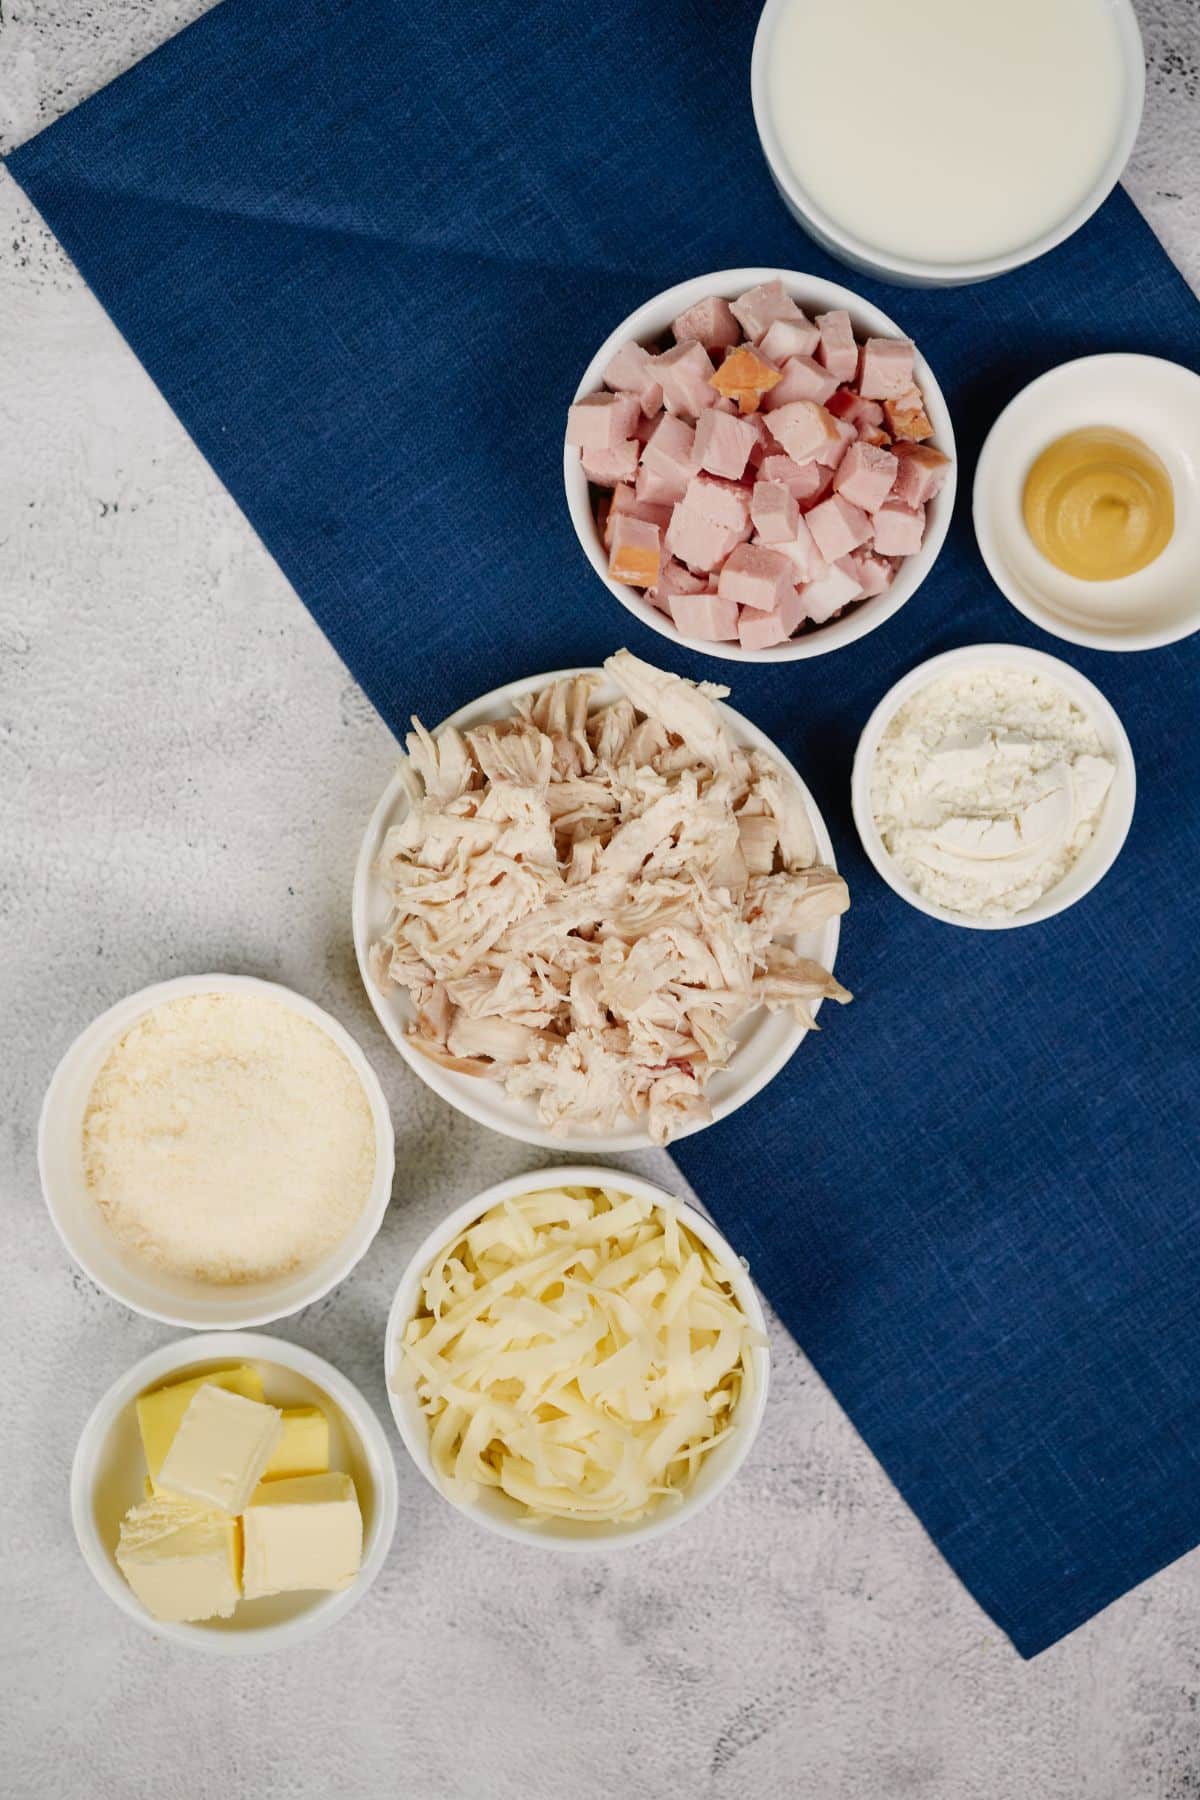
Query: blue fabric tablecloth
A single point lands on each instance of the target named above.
(365, 251)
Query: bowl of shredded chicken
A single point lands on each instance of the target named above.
(598, 909)
(575, 1357)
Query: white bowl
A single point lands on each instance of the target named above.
(915, 271)
(813, 295)
(1096, 858)
(176, 1300)
(1156, 401)
(109, 1470)
(766, 1040)
(494, 1510)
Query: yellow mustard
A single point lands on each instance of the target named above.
(1099, 504)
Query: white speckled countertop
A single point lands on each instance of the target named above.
(173, 799)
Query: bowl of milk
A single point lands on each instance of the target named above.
(942, 142)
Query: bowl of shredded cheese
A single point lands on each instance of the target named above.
(216, 1151)
(577, 1359)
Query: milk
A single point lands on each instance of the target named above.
(946, 130)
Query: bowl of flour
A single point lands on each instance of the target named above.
(216, 1151)
(993, 786)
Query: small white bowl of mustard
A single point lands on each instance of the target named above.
(1087, 502)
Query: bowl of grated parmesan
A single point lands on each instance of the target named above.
(215, 1152)
(576, 1359)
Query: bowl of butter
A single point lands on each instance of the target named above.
(234, 1493)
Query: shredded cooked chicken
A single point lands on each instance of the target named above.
(586, 902)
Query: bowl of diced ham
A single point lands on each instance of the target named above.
(760, 465)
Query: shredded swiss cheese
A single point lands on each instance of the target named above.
(581, 1350)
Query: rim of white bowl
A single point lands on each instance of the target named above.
(220, 1346)
(1121, 795)
(451, 1088)
(608, 1537)
(327, 1274)
(916, 269)
(651, 320)
(1124, 642)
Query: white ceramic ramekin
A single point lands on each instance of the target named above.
(649, 324)
(494, 1510)
(109, 1470)
(176, 1300)
(767, 1041)
(914, 271)
(1156, 401)
(1096, 858)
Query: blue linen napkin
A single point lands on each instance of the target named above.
(365, 252)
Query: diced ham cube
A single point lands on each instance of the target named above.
(607, 467)
(922, 473)
(838, 350)
(709, 322)
(885, 368)
(802, 379)
(654, 489)
(836, 588)
(774, 511)
(906, 417)
(685, 375)
(832, 453)
(636, 553)
(803, 429)
(764, 443)
(872, 573)
(707, 616)
(745, 376)
(675, 579)
(899, 529)
(801, 551)
(824, 485)
(758, 309)
(838, 527)
(789, 337)
(752, 576)
(703, 544)
(760, 631)
(602, 421)
(846, 404)
(624, 500)
(871, 434)
(723, 444)
(630, 372)
(668, 461)
(865, 476)
(804, 481)
(724, 502)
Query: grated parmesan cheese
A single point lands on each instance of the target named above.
(228, 1139)
(579, 1349)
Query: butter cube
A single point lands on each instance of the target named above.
(159, 1413)
(180, 1561)
(303, 1533)
(223, 1444)
(304, 1447)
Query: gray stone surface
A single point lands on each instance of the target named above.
(184, 772)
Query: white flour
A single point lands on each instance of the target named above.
(228, 1138)
(987, 784)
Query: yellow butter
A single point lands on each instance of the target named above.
(302, 1533)
(182, 1562)
(159, 1413)
(223, 1444)
(304, 1447)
